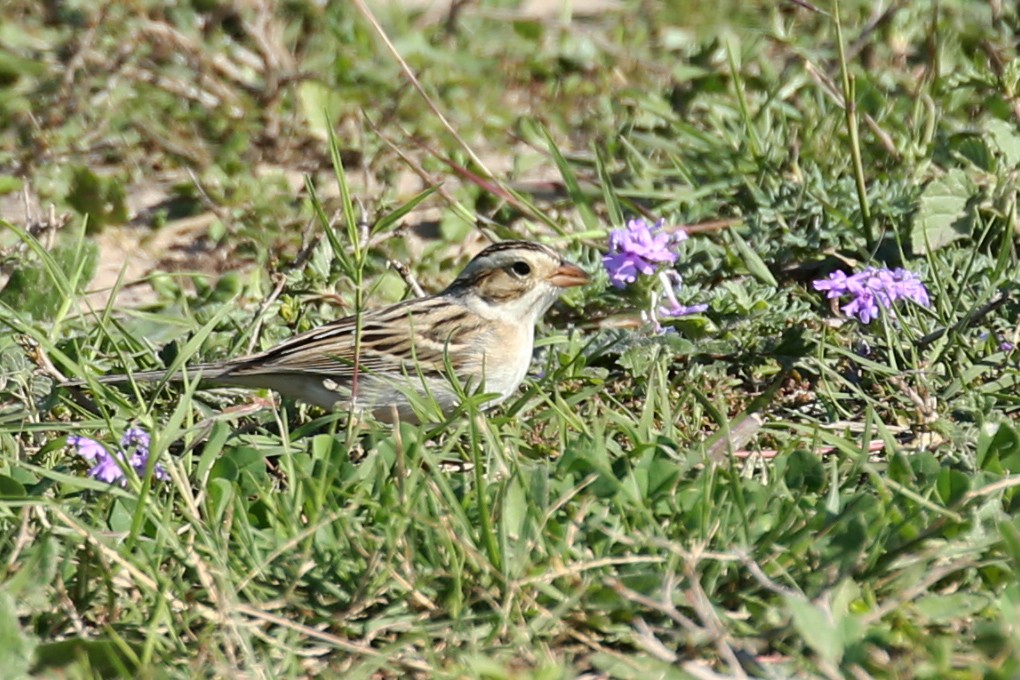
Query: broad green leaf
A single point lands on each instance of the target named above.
(102, 199)
(226, 469)
(952, 607)
(1007, 138)
(816, 628)
(15, 647)
(31, 290)
(952, 485)
(35, 572)
(998, 447)
(320, 105)
(454, 228)
(804, 472)
(530, 30)
(943, 216)
(250, 461)
(11, 488)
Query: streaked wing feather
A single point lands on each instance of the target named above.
(394, 339)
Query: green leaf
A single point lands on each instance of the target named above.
(15, 647)
(225, 469)
(320, 105)
(1010, 535)
(974, 148)
(755, 265)
(943, 216)
(31, 289)
(14, 67)
(212, 449)
(662, 475)
(513, 527)
(925, 466)
(36, 571)
(613, 208)
(515, 507)
(390, 219)
(639, 359)
(998, 448)
(529, 29)
(816, 628)
(952, 485)
(804, 472)
(454, 228)
(1006, 137)
(105, 658)
(221, 493)
(102, 199)
(10, 184)
(899, 469)
(250, 461)
(848, 540)
(940, 609)
(122, 513)
(11, 489)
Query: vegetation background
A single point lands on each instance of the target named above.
(768, 489)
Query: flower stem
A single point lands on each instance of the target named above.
(850, 108)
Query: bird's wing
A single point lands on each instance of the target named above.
(412, 336)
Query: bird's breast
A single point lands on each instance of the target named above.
(507, 357)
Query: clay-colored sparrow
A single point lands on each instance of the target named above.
(482, 325)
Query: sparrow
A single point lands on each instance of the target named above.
(482, 327)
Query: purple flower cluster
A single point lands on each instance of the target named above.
(109, 467)
(639, 249)
(872, 289)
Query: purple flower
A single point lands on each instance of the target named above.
(109, 467)
(864, 307)
(676, 311)
(87, 448)
(136, 437)
(639, 249)
(671, 282)
(836, 285)
(874, 288)
(140, 461)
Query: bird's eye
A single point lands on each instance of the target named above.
(520, 268)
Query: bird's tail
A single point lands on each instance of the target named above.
(202, 372)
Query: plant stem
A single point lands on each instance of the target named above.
(850, 107)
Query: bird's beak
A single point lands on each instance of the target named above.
(568, 275)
